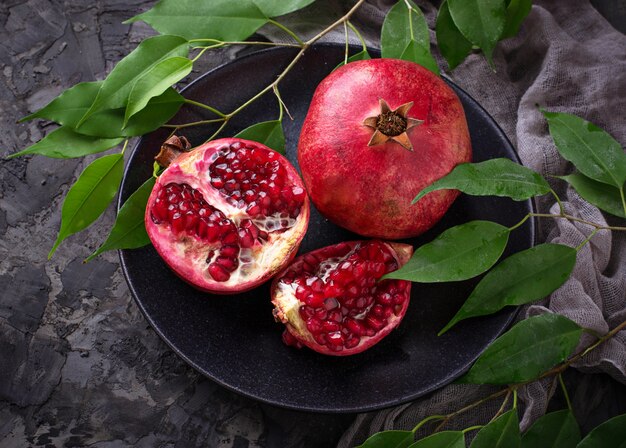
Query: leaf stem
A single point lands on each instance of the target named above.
(515, 398)
(502, 407)
(573, 218)
(223, 43)
(288, 31)
(524, 219)
(125, 145)
(470, 406)
(205, 106)
(558, 201)
(472, 428)
(580, 246)
(426, 420)
(216, 133)
(345, 32)
(202, 51)
(356, 32)
(193, 123)
(565, 394)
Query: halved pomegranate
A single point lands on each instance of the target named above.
(331, 300)
(227, 215)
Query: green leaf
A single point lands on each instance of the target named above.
(593, 151)
(452, 44)
(71, 105)
(503, 432)
(516, 12)
(480, 21)
(389, 439)
(444, 439)
(526, 351)
(611, 433)
(90, 196)
(604, 196)
(405, 35)
(129, 230)
(270, 133)
(495, 177)
(275, 8)
(521, 278)
(362, 55)
(116, 88)
(156, 81)
(65, 143)
(225, 20)
(459, 253)
(554, 430)
(421, 56)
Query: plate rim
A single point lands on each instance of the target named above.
(382, 404)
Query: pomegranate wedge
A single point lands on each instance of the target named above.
(331, 301)
(228, 215)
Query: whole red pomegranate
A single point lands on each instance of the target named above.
(331, 300)
(227, 215)
(377, 132)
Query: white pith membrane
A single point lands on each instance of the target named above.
(190, 256)
(288, 306)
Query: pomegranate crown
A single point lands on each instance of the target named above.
(392, 125)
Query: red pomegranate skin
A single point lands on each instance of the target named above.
(369, 189)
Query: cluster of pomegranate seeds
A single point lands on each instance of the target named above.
(185, 210)
(342, 302)
(254, 179)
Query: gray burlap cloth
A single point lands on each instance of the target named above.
(567, 57)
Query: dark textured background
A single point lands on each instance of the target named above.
(78, 364)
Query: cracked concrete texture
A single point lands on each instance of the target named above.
(79, 365)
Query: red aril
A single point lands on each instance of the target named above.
(331, 299)
(378, 132)
(227, 215)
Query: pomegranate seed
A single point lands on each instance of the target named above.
(352, 342)
(374, 323)
(229, 251)
(314, 325)
(329, 326)
(321, 313)
(354, 326)
(228, 264)
(385, 299)
(218, 273)
(245, 238)
(335, 338)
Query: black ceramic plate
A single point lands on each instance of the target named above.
(234, 339)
